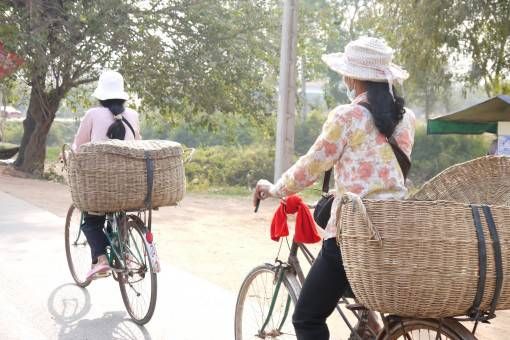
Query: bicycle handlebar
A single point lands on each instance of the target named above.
(257, 204)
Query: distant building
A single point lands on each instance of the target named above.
(315, 98)
(10, 112)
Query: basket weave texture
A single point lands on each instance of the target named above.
(484, 180)
(111, 176)
(419, 258)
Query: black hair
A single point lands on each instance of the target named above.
(116, 106)
(386, 111)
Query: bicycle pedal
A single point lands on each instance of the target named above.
(102, 276)
(355, 307)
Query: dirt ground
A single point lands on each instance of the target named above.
(215, 237)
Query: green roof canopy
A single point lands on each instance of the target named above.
(477, 119)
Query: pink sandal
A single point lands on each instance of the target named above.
(99, 270)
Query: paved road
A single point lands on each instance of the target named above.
(38, 299)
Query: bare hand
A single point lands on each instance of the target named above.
(262, 191)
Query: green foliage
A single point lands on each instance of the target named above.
(432, 37)
(52, 153)
(307, 131)
(213, 56)
(13, 132)
(60, 133)
(432, 154)
(220, 166)
(223, 129)
(186, 60)
(326, 26)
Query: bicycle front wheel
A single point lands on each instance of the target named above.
(77, 248)
(138, 283)
(427, 329)
(265, 305)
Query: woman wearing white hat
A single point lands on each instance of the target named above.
(109, 121)
(355, 142)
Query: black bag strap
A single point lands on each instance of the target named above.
(129, 126)
(402, 159)
(474, 311)
(149, 164)
(496, 246)
(325, 182)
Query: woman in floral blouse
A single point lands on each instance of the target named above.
(354, 142)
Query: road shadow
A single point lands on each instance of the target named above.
(69, 304)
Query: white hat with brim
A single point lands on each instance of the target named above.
(367, 59)
(110, 86)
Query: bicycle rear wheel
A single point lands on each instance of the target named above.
(427, 329)
(256, 296)
(77, 248)
(138, 283)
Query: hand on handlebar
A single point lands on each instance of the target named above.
(262, 191)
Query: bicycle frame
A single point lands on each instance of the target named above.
(293, 265)
(118, 246)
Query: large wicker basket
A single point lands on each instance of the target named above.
(420, 258)
(112, 175)
(483, 180)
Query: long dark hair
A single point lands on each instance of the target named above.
(116, 106)
(386, 111)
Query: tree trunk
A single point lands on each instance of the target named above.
(36, 126)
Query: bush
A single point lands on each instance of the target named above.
(220, 166)
(13, 132)
(433, 154)
(307, 131)
(60, 133)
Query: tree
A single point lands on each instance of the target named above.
(179, 56)
(63, 43)
(216, 56)
(444, 41)
(326, 26)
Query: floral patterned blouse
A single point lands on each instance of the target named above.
(363, 160)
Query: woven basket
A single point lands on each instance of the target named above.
(419, 258)
(485, 180)
(112, 175)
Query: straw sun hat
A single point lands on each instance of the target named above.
(110, 86)
(367, 59)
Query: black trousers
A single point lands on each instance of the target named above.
(92, 227)
(323, 287)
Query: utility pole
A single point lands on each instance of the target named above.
(303, 89)
(287, 90)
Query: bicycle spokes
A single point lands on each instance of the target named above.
(264, 307)
(138, 280)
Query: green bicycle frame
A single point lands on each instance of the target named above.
(273, 302)
(117, 248)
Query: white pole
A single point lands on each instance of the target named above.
(287, 90)
(303, 88)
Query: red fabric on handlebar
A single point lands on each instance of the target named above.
(306, 231)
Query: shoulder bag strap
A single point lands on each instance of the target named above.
(129, 126)
(325, 182)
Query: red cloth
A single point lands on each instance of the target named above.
(9, 62)
(306, 231)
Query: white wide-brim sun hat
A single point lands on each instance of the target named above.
(367, 59)
(110, 86)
